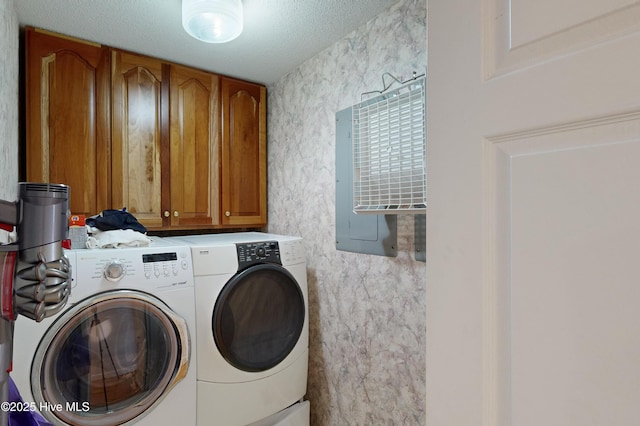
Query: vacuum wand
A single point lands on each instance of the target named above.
(34, 273)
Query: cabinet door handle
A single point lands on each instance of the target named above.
(166, 213)
(175, 213)
(227, 213)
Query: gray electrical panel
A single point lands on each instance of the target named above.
(363, 233)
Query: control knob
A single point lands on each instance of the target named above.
(114, 271)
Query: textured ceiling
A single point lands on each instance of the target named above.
(278, 34)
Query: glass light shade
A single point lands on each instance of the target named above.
(212, 21)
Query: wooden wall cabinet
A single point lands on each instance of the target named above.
(194, 149)
(180, 148)
(243, 162)
(137, 173)
(165, 142)
(67, 118)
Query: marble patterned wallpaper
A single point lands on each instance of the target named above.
(367, 313)
(9, 35)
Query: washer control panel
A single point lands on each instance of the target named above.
(260, 252)
(144, 269)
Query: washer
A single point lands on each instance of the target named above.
(120, 352)
(252, 326)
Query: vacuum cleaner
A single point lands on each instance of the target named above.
(34, 273)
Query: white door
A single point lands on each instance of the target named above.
(533, 230)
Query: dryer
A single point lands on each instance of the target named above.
(120, 352)
(252, 327)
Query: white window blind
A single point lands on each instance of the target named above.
(389, 143)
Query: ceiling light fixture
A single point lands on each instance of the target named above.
(212, 21)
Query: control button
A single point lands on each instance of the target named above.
(175, 272)
(185, 265)
(147, 274)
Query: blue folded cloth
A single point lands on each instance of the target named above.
(110, 220)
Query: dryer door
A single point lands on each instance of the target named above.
(109, 359)
(258, 317)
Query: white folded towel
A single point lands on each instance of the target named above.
(118, 238)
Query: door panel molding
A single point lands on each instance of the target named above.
(500, 154)
(504, 55)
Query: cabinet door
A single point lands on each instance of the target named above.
(67, 118)
(243, 154)
(137, 85)
(194, 148)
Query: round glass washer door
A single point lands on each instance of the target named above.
(258, 317)
(109, 359)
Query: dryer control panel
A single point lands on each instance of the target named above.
(260, 252)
